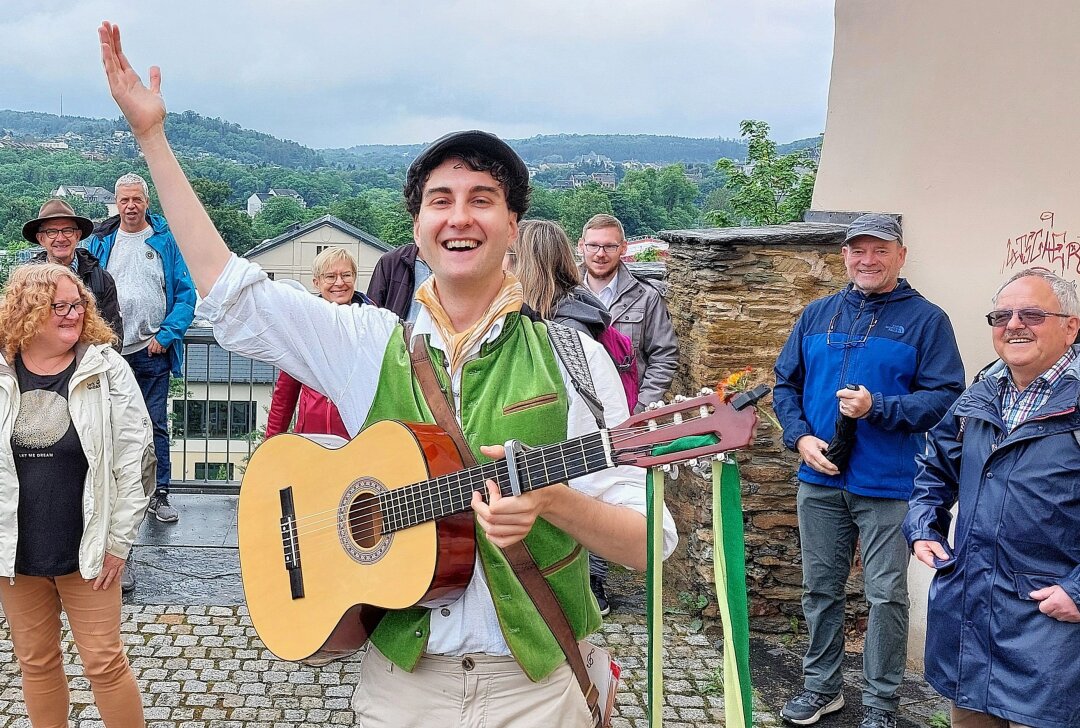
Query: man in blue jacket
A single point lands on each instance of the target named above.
(1003, 624)
(881, 354)
(157, 301)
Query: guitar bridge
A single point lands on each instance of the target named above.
(290, 544)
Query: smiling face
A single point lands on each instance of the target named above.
(337, 282)
(60, 248)
(464, 227)
(602, 250)
(61, 333)
(132, 204)
(873, 265)
(1029, 350)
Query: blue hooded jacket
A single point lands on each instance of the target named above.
(902, 349)
(180, 295)
(988, 647)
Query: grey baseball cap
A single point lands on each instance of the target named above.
(883, 227)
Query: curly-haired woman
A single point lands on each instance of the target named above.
(74, 440)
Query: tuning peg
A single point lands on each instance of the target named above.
(653, 406)
(672, 470)
(703, 468)
(680, 398)
(705, 392)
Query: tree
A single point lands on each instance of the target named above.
(771, 188)
(356, 211)
(211, 193)
(276, 215)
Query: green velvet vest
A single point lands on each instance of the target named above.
(513, 389)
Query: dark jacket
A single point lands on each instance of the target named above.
(393, 282)
(638, 310)
(907, 359)
(101, 284)
(988, 647)
(179, 290)
(316, 413)
(581, 310)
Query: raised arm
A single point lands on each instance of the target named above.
(204, 251)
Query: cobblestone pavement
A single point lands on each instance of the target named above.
(204, 667)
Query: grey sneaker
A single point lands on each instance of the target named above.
(159, 506)
(878, 718)
(127, 576)
(807, 707)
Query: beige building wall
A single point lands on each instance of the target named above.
(293, 259)
(961, 116)
(185, 454)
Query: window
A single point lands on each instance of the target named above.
(213, 471)
(320, 248)
(216, 419)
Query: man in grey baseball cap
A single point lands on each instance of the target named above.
(880, 354)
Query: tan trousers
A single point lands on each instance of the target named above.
(964, 718)
(475, 691)
(32, 607)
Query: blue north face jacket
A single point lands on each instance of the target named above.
(902, 349)
(988, 647)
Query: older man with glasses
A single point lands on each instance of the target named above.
(1003, 623)
(58, 230)
(881, 354)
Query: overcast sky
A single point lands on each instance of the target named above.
(335, 73)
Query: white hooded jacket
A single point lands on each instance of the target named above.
(107, 409)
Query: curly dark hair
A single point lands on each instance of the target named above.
(517, 194)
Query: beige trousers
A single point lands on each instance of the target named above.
(475, 691)
(963, 718)
(32, 607)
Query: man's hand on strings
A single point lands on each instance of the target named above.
(507, 519)
(143, 107)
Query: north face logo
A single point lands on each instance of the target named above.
(96, 384)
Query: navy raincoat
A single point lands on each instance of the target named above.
(988, 647)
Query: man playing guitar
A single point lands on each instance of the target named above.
(488, 658)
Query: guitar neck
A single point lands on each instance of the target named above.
(446, 495)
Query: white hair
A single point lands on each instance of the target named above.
(130, 179)
(1064, 291)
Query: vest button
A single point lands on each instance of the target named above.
(467, 664)
(445, 612)
(419, 633)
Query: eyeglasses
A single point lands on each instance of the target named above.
(596, 247)
(331, 277)
(64, 309)
(1027, 316)
(51, 233)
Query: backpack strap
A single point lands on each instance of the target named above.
(567, 345)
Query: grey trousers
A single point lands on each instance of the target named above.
(831, 522)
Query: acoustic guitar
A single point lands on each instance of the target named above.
(330, 538)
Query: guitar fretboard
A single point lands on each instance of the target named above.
(446, 495)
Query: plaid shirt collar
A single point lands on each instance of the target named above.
(1016, 405)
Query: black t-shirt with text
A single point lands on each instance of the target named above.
(51, 467)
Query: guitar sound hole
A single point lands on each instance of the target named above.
(365, 520)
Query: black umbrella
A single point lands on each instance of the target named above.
(843, 441)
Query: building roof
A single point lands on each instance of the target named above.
(284, 192)
(300, 230)
(223, 366)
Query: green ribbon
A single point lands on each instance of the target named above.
(729, 569)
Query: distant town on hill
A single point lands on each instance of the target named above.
(195, 135)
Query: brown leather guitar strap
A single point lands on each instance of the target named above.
(518, 556)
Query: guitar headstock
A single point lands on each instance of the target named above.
(686, 429)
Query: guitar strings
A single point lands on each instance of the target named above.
(616, 435)
(425, 499)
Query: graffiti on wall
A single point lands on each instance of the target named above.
(1044, 246)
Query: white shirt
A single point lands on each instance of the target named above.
(308, 338)
(607, 293)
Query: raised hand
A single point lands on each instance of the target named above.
(143, 107)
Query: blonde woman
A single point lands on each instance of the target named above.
(333, 273)
(74, 443)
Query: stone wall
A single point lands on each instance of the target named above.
(734, 296)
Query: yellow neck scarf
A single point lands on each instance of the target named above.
(457, 344)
